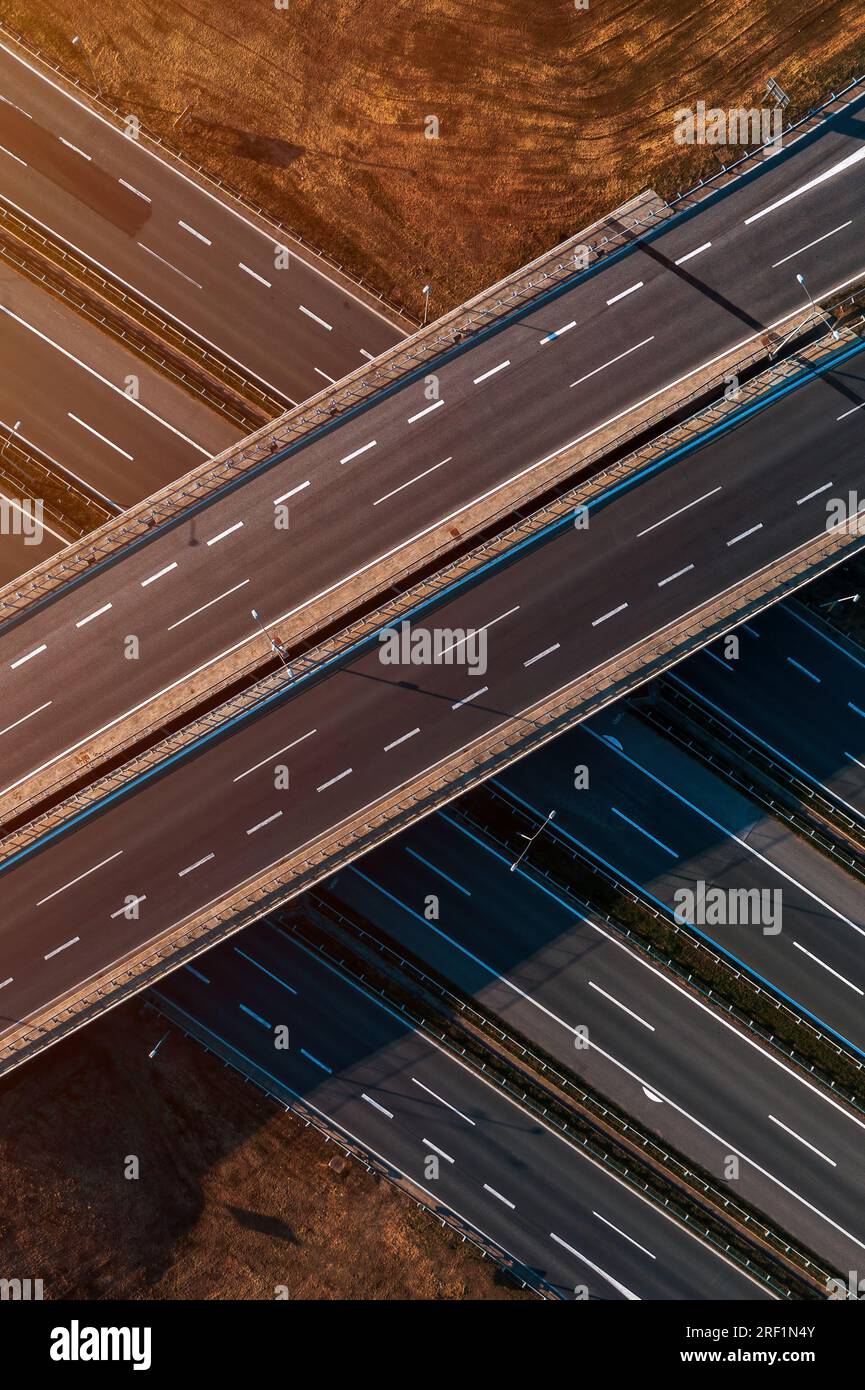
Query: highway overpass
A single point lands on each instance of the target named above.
(548, 380)
(369, 745)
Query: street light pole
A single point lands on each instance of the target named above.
(531, 840)
(153, 1051)
(816, 307)
(425, 292)
(845, 598)
(78, 42)
(275, 646)
(13, 430)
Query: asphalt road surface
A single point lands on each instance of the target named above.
(217, 817)
(534, 960)
(699, 524)
(401, 1097)
(63, 386)
(799, 692)
(184, 250)
(554, 374)
(665, 822)
(376, 483)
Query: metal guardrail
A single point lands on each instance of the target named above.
(31, 469)
(597, 1114)
(330, 406)
(604, 238)
(653, 910)
(176, 352)
(206, 178)
(454, 776)
(172, 154)
(806, 797)
(198, 1033)
(311, 661)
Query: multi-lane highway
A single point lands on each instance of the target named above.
(798, 692)
(559, 372)
(407, 1101)
(184, 249)
(216, 818)
(535, 961)
(187, 593)
(90, 407)
(556, 373)
(665, 822)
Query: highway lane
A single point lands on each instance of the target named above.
(399, 1095)
(555, 374)
(184, 249)
(68, 386)
(532, 959)
(664, 822)
(187, 592)
(217, 817)
(799, 693)
(201, 262)
(605, 355)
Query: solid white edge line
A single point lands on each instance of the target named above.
(794, 1135)
(38, 710)
(619, 1005)
(87, 872)
(139, 405)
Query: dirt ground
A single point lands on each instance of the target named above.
(233, 1197)
(548, 115)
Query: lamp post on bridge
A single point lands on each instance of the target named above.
(817, 309)
(275, 646)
